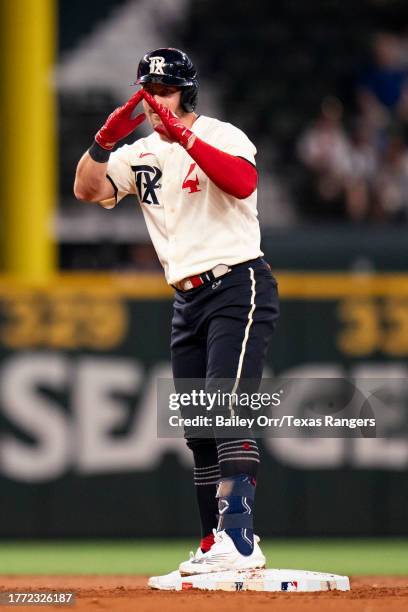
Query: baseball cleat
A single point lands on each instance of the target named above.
(223, 556)
(194, 556)
(164, 583)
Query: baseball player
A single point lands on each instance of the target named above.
(195, 180)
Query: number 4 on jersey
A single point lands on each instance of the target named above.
(190, 183)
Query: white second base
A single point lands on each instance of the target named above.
(286, 580)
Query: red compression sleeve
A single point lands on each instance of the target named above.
(231, 174)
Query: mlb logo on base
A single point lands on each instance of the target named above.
(292, 585)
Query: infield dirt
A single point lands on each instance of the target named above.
(130, 594)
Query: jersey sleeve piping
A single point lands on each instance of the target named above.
(110, 179)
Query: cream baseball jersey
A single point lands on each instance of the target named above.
(192, 223)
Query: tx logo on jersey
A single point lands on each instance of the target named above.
(147, 181)
(156, 64)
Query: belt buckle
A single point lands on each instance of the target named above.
(187, 284)
(220, 270)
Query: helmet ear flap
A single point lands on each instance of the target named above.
(188, 98)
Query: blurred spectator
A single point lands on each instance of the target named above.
(362, 152)
(391, 184)
(362, 166)
(382, 90)
(324, 150)
(323, 147)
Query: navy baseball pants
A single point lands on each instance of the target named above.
(221, 331)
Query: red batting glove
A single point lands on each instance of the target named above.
(173, 129)
(120, 124)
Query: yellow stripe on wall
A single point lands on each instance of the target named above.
(292, 285)
(318, 286)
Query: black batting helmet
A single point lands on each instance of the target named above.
(170, 66)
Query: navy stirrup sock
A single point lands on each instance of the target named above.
(235, 496)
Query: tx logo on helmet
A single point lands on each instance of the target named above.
(156, 64)
(147, 181)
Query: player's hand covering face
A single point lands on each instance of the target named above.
(170, 126)
(165, 95)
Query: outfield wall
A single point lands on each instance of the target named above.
(79, 455)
